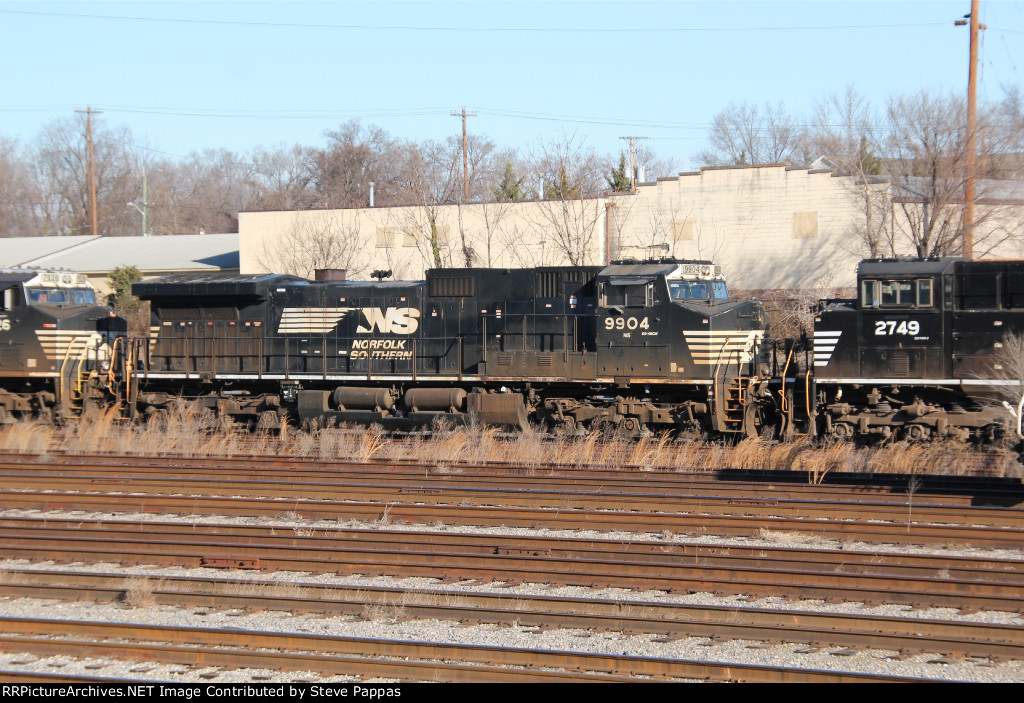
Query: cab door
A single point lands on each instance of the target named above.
(629, 335)
(901, 331)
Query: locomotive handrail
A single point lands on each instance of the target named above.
(718, 364)
(784, 405)
(807, 393)
(111, 380)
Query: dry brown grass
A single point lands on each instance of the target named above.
(139, 592)
(184, 432)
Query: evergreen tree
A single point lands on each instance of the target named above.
(510, 188)
(870, 164)
(619, 181)
(563, 189)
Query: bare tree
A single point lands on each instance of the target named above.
(204, 193)
(569, 167)
(926, 146)
(746, 134)
(316, 240)
(429, 181)
(282, 178)
(496, 222)
(569, 216)
(355, 157)
(61, 160)
(844, 133)
(652, 166)
(19, 192)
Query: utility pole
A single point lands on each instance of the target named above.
(145, 204)
(632, 161)
(89, 112)
(972, 127)
(465, 158)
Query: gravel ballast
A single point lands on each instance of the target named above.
(381, 625)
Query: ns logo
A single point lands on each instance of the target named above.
(321, 320)
(390, 321)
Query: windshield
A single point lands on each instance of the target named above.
(698, 290)
(79, 296)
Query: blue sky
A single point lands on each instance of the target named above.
(186, 76)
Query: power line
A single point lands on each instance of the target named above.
(414, 28)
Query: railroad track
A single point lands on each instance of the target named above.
(395, 659)
(668, 505)
(776, 485)
(800, 574)
(405, 505)
(675, 620)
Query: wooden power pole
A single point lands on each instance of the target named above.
(89, 112)
(465, 157)
(632, 161)
(972, 129)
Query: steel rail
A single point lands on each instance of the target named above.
(972, 487)
(601, 498)
(795, 583)
(348, 656)
(808, 559)
(483, 477)
(944, 637)
(567, 517)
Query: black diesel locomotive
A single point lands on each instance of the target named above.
(641, 347)
(56, 345)
(920, 352)
(638, 346)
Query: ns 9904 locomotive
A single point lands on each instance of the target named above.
(638, 346)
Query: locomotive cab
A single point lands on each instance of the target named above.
(47, 317)
(902, 328)
(916, 351)
(55, 342)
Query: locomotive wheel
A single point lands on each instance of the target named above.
(917, 433)
(843, 430)
(629, 426)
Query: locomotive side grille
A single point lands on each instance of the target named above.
(504, 359)
(546, 284)
(899, 364)
(545, 359)
(452, 287)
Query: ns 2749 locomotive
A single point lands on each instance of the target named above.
(920, 352)
(638, 346)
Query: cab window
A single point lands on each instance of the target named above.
(698, 290)
(11, 297)
(628, 294)
(896, 293)
(78, 296)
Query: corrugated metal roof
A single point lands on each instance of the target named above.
(23, 251)
(182, 252)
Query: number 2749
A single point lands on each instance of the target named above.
(893, 327)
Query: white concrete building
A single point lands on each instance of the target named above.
(769, 226)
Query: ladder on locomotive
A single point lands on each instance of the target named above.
(737, 408)
(74, 376)
(796, 401)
